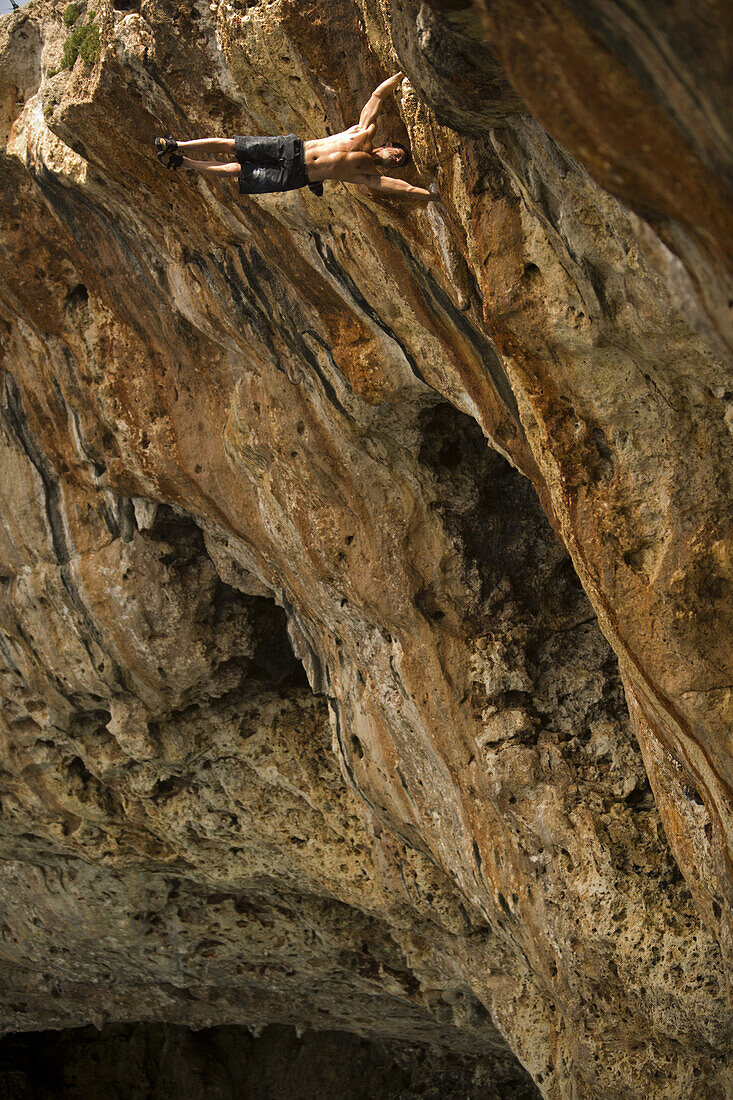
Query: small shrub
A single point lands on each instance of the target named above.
(83, 43)
(89, 49)
(71, 15)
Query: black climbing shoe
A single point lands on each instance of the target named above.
(169, 159)
(165, 145)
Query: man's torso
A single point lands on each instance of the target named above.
(344, 156)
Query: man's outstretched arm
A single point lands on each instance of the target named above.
(373, 105)
(387, 185)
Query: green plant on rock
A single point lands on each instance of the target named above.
(72, 13)
(84, 43)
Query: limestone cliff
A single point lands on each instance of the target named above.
(468, 468)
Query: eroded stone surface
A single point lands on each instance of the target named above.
(214, 406)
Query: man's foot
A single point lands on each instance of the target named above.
(167, 154)
(164, 145)
(170, 160)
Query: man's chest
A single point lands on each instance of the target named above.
(357, 139)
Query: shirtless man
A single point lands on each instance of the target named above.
(267, 164)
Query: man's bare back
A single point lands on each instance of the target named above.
(348, 157)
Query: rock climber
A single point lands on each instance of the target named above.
(267, 164)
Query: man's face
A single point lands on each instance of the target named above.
(389, 156)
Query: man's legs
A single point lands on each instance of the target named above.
(206, 168)
(263, 160)
(207, 147)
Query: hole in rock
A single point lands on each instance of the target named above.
(426, 603)
(450, 454)
(641, 798)
(78, 296)
(78, 768)
(221, 610)
(507, 550)
(166, 788)
(692, 794)
(601, 443)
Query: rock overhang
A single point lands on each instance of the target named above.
(287, 376)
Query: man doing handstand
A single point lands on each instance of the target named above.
(267, 164)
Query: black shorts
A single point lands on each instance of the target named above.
(272, 164)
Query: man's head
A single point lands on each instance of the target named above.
(391, 155)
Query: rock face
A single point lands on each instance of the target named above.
(164, 1062)
(468, 468)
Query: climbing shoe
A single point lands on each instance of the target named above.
(169, 159)
(164, 146)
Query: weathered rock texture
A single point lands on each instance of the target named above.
(473, 465)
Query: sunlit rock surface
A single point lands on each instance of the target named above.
(468, 468)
